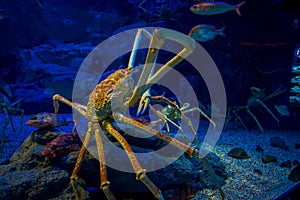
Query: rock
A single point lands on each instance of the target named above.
(55, 65)
(31, 184)
(268, 159)
(30, 175)
(238, 153)
(279, 143)
(297, 146)
(258, 171)
(295, 174)
(287, 164)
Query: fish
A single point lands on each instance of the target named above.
(212, 8)
(62, 145)
(282, 109)
(46, 120)
(205, 32)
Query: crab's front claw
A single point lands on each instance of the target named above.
(144, 103)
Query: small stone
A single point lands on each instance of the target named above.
(295, 174)
(268, 159)
(238, 153)
(287, 164)
(257, 171)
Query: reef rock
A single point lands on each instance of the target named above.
(45, 70)
(295, 174)
(31, 175)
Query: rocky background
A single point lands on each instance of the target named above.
(43, 43)
(30, 175)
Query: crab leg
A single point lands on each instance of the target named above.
(188, 149)
(137, 41)
(103, 173)
(140, 172)
(79, 108)
(158, 39)
(189, 46)
(267, 109)
(202, 113)
(174, 105)
(155, 43)
(144, 102)
(79, 160)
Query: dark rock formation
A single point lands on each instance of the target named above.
(268, 159)
(30, 175)
(287, 164)
(295, 174)
(238, 153)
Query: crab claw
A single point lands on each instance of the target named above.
(144, 103)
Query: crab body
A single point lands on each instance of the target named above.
(101, 97)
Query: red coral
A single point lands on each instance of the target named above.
(62, 145)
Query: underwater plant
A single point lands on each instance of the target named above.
(101, 116)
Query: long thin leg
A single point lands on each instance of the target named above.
(255, 119)
(103, 172)
(188, 149)
(175, 106)
(158, 39)
(140, 172)
(267, 109)
(239, 118)
(165, 119)
(137, 40)
(155, 43)
(79, 108)
(79, 160)
(202, 113)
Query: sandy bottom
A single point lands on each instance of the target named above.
(243, 182)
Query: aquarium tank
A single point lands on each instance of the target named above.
(150, 99)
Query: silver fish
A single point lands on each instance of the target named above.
(212, 8)
(282, 109)
(205, 32)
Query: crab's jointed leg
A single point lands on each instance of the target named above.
(144, 102)
(140, 172)
(192, 151)
(103, 172)
(79, 108)
(157, 40)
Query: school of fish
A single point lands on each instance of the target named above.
(206, 32)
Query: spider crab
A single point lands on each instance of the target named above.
(258, 98)
(100, 114)
(10, 109)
